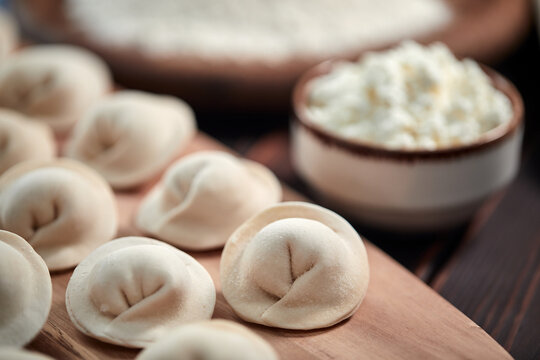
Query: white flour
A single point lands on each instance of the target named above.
(410, 97)
(263, 30)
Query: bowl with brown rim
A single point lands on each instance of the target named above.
(415, 190)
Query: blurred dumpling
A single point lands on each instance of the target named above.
(130, 136)
(132, 291)
(63, 208)
(295, 266)
(210, 340)
(8, 34)
(204, 197)
(11, 353)
(22, 139)
(53, 83)
(25, 291)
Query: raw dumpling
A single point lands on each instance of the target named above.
(204, 197)
(22, 139)
(295, 266)
(62, 208)
(10, 353)
(130, 136)
(210, 340)
(132, 291)
(53, 83)
(25, 291)
(8, 34)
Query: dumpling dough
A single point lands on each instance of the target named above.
(8, 34)
(130, 136)
(63, 208)
(132, 291)
(53, 83)
(25, 291)
(295, 266)
(204, 197)
(9, 353)
(210, 340)
(22, 139)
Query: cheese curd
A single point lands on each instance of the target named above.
(410, 97)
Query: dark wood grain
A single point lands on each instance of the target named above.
(494, 278)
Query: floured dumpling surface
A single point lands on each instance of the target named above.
(204, 197)
(132, 291)
(53, 83)
(63, 208)
(210, 340)
(22, 139)
(295, 266)
(10, 353)
(130, 136)
(25, 291)
(8, 34)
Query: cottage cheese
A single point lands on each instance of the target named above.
(410, 97)
(269, 31)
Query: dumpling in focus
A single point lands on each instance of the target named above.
(8, 34)
(210, 340)
(53, 83)
(11, 353)
(132, 291)
(25, 291)
(204, 197)
(130, 136)
(22, 139)
(295, 266)
(63, 208)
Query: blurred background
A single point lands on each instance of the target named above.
(236, 63)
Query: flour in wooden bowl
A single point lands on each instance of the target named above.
(255, 30)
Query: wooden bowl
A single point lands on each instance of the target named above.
(485, 30)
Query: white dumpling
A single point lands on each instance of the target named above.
(132, 291)
(295, 266)
(210, 340)
(25, 291)
(63, 208)
(8, 34)
(10, 353)
(204, 197)
(22, 139)
(130, 136)
(53, 83)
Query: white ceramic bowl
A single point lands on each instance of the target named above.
(399, 189)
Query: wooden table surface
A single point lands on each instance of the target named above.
(490, 268)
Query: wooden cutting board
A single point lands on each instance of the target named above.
(400, 318)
